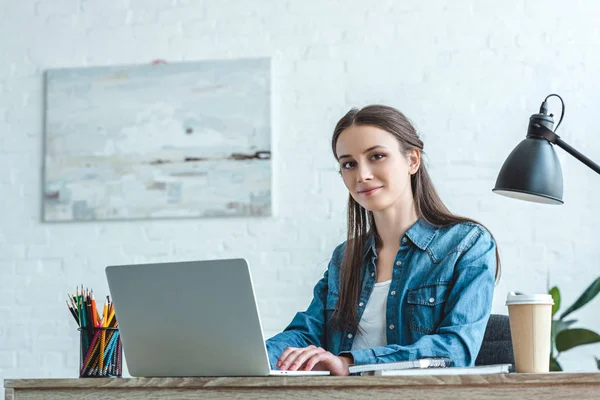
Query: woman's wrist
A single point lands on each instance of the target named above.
(347, 360)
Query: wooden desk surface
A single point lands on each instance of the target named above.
(502, 386)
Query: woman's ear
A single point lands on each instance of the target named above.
(414, 161)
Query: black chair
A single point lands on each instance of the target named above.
(496, 347)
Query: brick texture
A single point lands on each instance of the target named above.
(468, 74)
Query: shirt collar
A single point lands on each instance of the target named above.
(420, 233)
(371, 244)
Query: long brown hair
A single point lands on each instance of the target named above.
(428, 206)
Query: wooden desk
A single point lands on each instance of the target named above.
(508, 386)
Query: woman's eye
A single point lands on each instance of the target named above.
(377, 156)
(348, 165)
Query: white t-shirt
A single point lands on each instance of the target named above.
(371, 328)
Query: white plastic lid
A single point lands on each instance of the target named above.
(513, 298)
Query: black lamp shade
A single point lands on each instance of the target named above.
(532, 172)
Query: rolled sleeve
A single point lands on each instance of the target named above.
(307, 327)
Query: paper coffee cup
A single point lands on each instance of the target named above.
(530, 328)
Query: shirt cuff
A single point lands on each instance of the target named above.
(364, 356)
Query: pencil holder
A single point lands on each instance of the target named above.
(101, 353)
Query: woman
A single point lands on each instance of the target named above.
(412, 280)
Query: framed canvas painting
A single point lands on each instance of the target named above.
(162, 140)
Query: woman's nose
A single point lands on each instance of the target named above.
(364, 173)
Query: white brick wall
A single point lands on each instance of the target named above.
(468, 73)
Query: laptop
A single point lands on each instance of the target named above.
(197, 318)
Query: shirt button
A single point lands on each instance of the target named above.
(372, 273)
(393, 293)
(404, 240)
(398, 263)
(349, 336)
(431, 300)
(361, 304)
(392, 326)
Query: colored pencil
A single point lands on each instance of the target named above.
(100, 347)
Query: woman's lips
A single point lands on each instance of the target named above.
(370, 192)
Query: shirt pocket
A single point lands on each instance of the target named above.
(426, 307)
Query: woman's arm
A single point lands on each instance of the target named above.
(467, 311)
(307, 328)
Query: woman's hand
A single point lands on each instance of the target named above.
(313, 358)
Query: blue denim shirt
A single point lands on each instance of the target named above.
(438, 303)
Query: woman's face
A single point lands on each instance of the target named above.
(375, 171)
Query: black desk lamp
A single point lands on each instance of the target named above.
(532, 171)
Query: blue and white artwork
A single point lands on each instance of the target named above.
(158, 141)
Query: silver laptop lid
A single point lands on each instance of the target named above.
(196, 318)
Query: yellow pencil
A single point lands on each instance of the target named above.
(104, 313)
(111, 315)
(103, 335)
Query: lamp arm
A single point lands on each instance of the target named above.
(566, 147)
(549, 135)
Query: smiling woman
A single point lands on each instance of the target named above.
(380, 174)
(412, 279)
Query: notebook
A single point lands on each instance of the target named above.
(426, 362)
(479, 370)
(197, 318)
